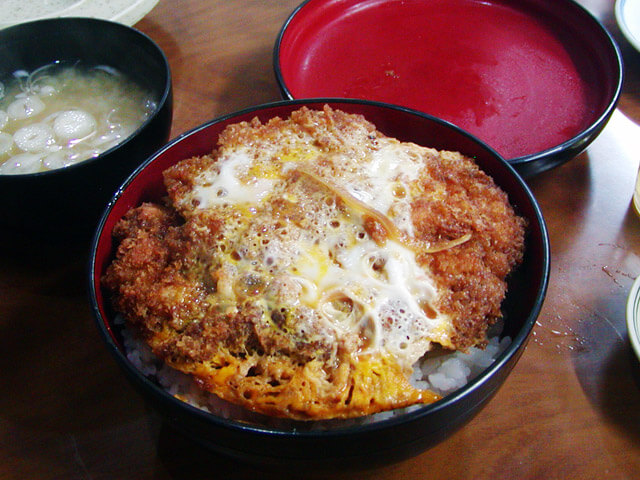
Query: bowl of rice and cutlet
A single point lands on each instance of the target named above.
(320, 276)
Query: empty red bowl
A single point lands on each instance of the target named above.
(537, 79)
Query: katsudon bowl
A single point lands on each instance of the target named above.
(120, 81)
(329, 444)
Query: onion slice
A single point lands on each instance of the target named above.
(393, 232)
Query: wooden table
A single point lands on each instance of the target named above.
(570, 409)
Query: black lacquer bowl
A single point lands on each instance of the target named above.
(382, 441)
(69, 200)
(537, 80)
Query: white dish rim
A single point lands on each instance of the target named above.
(621, 18)
(121, 11)
(633, 316)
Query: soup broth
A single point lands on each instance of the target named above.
(60, 114)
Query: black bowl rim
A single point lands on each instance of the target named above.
(523, 161)
(517, 343)
(99, 22)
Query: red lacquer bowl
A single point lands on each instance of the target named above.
(535, 79)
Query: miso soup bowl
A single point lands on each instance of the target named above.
(335, 445)
(69, 200)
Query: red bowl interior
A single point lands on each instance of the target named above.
(522, 76)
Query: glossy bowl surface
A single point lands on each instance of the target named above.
(71, 199)
(353, 446)
(536, 79)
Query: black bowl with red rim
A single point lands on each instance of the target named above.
(537, 80)
(381, 441)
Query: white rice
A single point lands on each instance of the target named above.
(441, 373)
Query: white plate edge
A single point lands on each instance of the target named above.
(622, 24)
(633, 316)
(129, 14)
